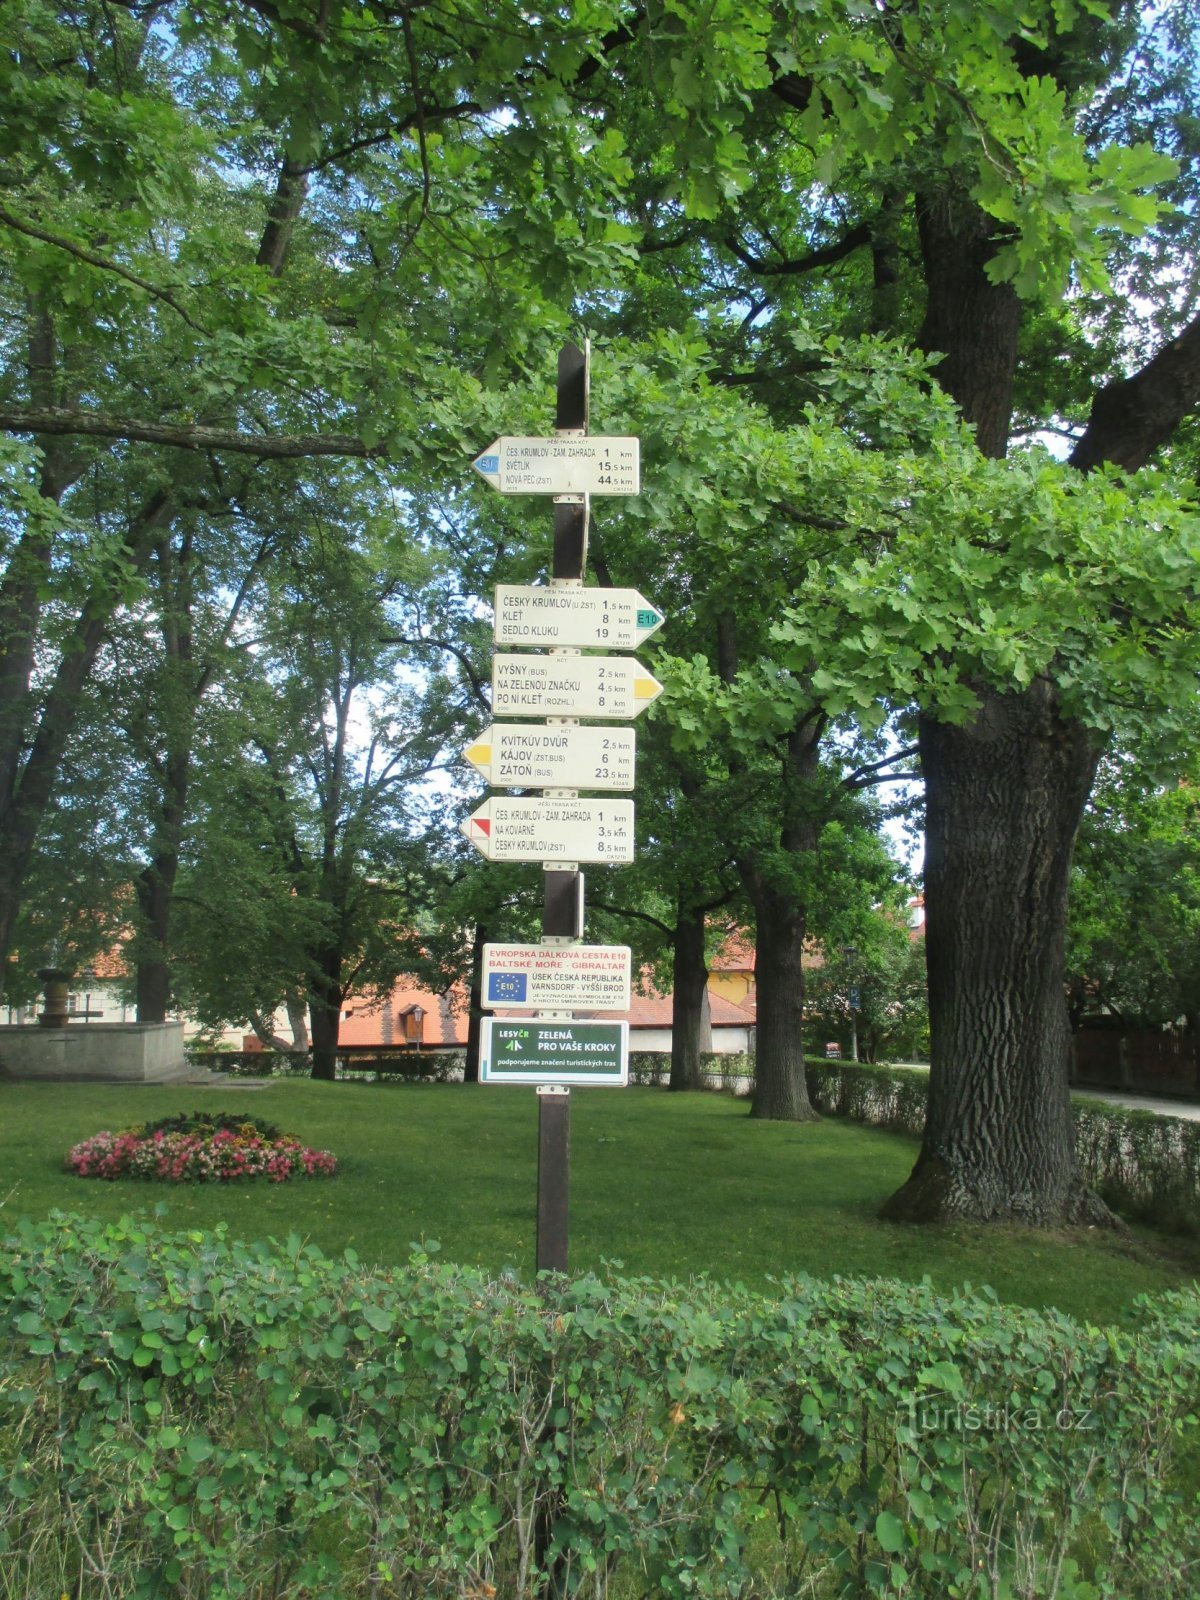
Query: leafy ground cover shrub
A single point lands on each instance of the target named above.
(199, 1147)
(208, 1122)
(182, 1415)
(1145, 1165)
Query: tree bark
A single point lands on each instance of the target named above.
(156, 883)
(972, 322)
(689, 989)
(781, 1088)
(74, 421)
(1131, 417)
(324, 1018)
(298, 1023)
(291, 190)
(155, 894)
(264, 1031)
(1004, 797)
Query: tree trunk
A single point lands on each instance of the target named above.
(690, 988)
(325, 1016)
(156, 886)
(155, 894)
(1004, 797)
(297, 1022)
(970, 321)
(265, 1032)
(323, 1024)
(781, 1089)
(22, 809)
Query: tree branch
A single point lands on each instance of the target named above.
(19, 225)
(861, 778)
(183, 435)
(430, 114)
(628, 911)
(793, 90)
(858, 236)
(1131, 417)
(460, 655)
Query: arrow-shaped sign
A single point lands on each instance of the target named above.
(516, 755)
(568, 618)
(616, 687)
(506, 828)
(583, 465)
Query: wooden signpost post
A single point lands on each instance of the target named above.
(551, 1048)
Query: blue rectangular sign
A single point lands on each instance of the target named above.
(507, 988)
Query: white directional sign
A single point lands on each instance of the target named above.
(571, 686)
(594, 465)
(575, 977)
(506, 828)
(610, 619)
(534, 756)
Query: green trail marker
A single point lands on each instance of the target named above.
(541, 1050)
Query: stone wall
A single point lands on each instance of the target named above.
(97, 1052)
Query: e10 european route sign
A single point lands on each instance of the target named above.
(561, 617)
(548, 977)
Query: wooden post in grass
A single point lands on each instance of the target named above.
(560, 978)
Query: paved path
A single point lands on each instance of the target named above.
(1187, 1109)
(1164, 1105)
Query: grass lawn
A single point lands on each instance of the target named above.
(662, 1184)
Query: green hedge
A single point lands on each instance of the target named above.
(721, 1068)
(185, 1416)
(1145, 1165)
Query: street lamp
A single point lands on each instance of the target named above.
(850, 952)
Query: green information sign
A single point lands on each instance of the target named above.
(537, 1050)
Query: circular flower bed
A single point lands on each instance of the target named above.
(200, 1147)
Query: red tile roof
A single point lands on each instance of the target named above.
(445, 1021)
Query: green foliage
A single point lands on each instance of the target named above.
(1133, 932)
(201, 1417)
(881, 980)
(1145, 1165)
(206, 1122)
(998, 573)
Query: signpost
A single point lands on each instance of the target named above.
(554, 1050)
(526, 1050)
(609, 619)
(571, 686)
(568, 464)
(506, 828)
(515, 755)
(573, 977)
